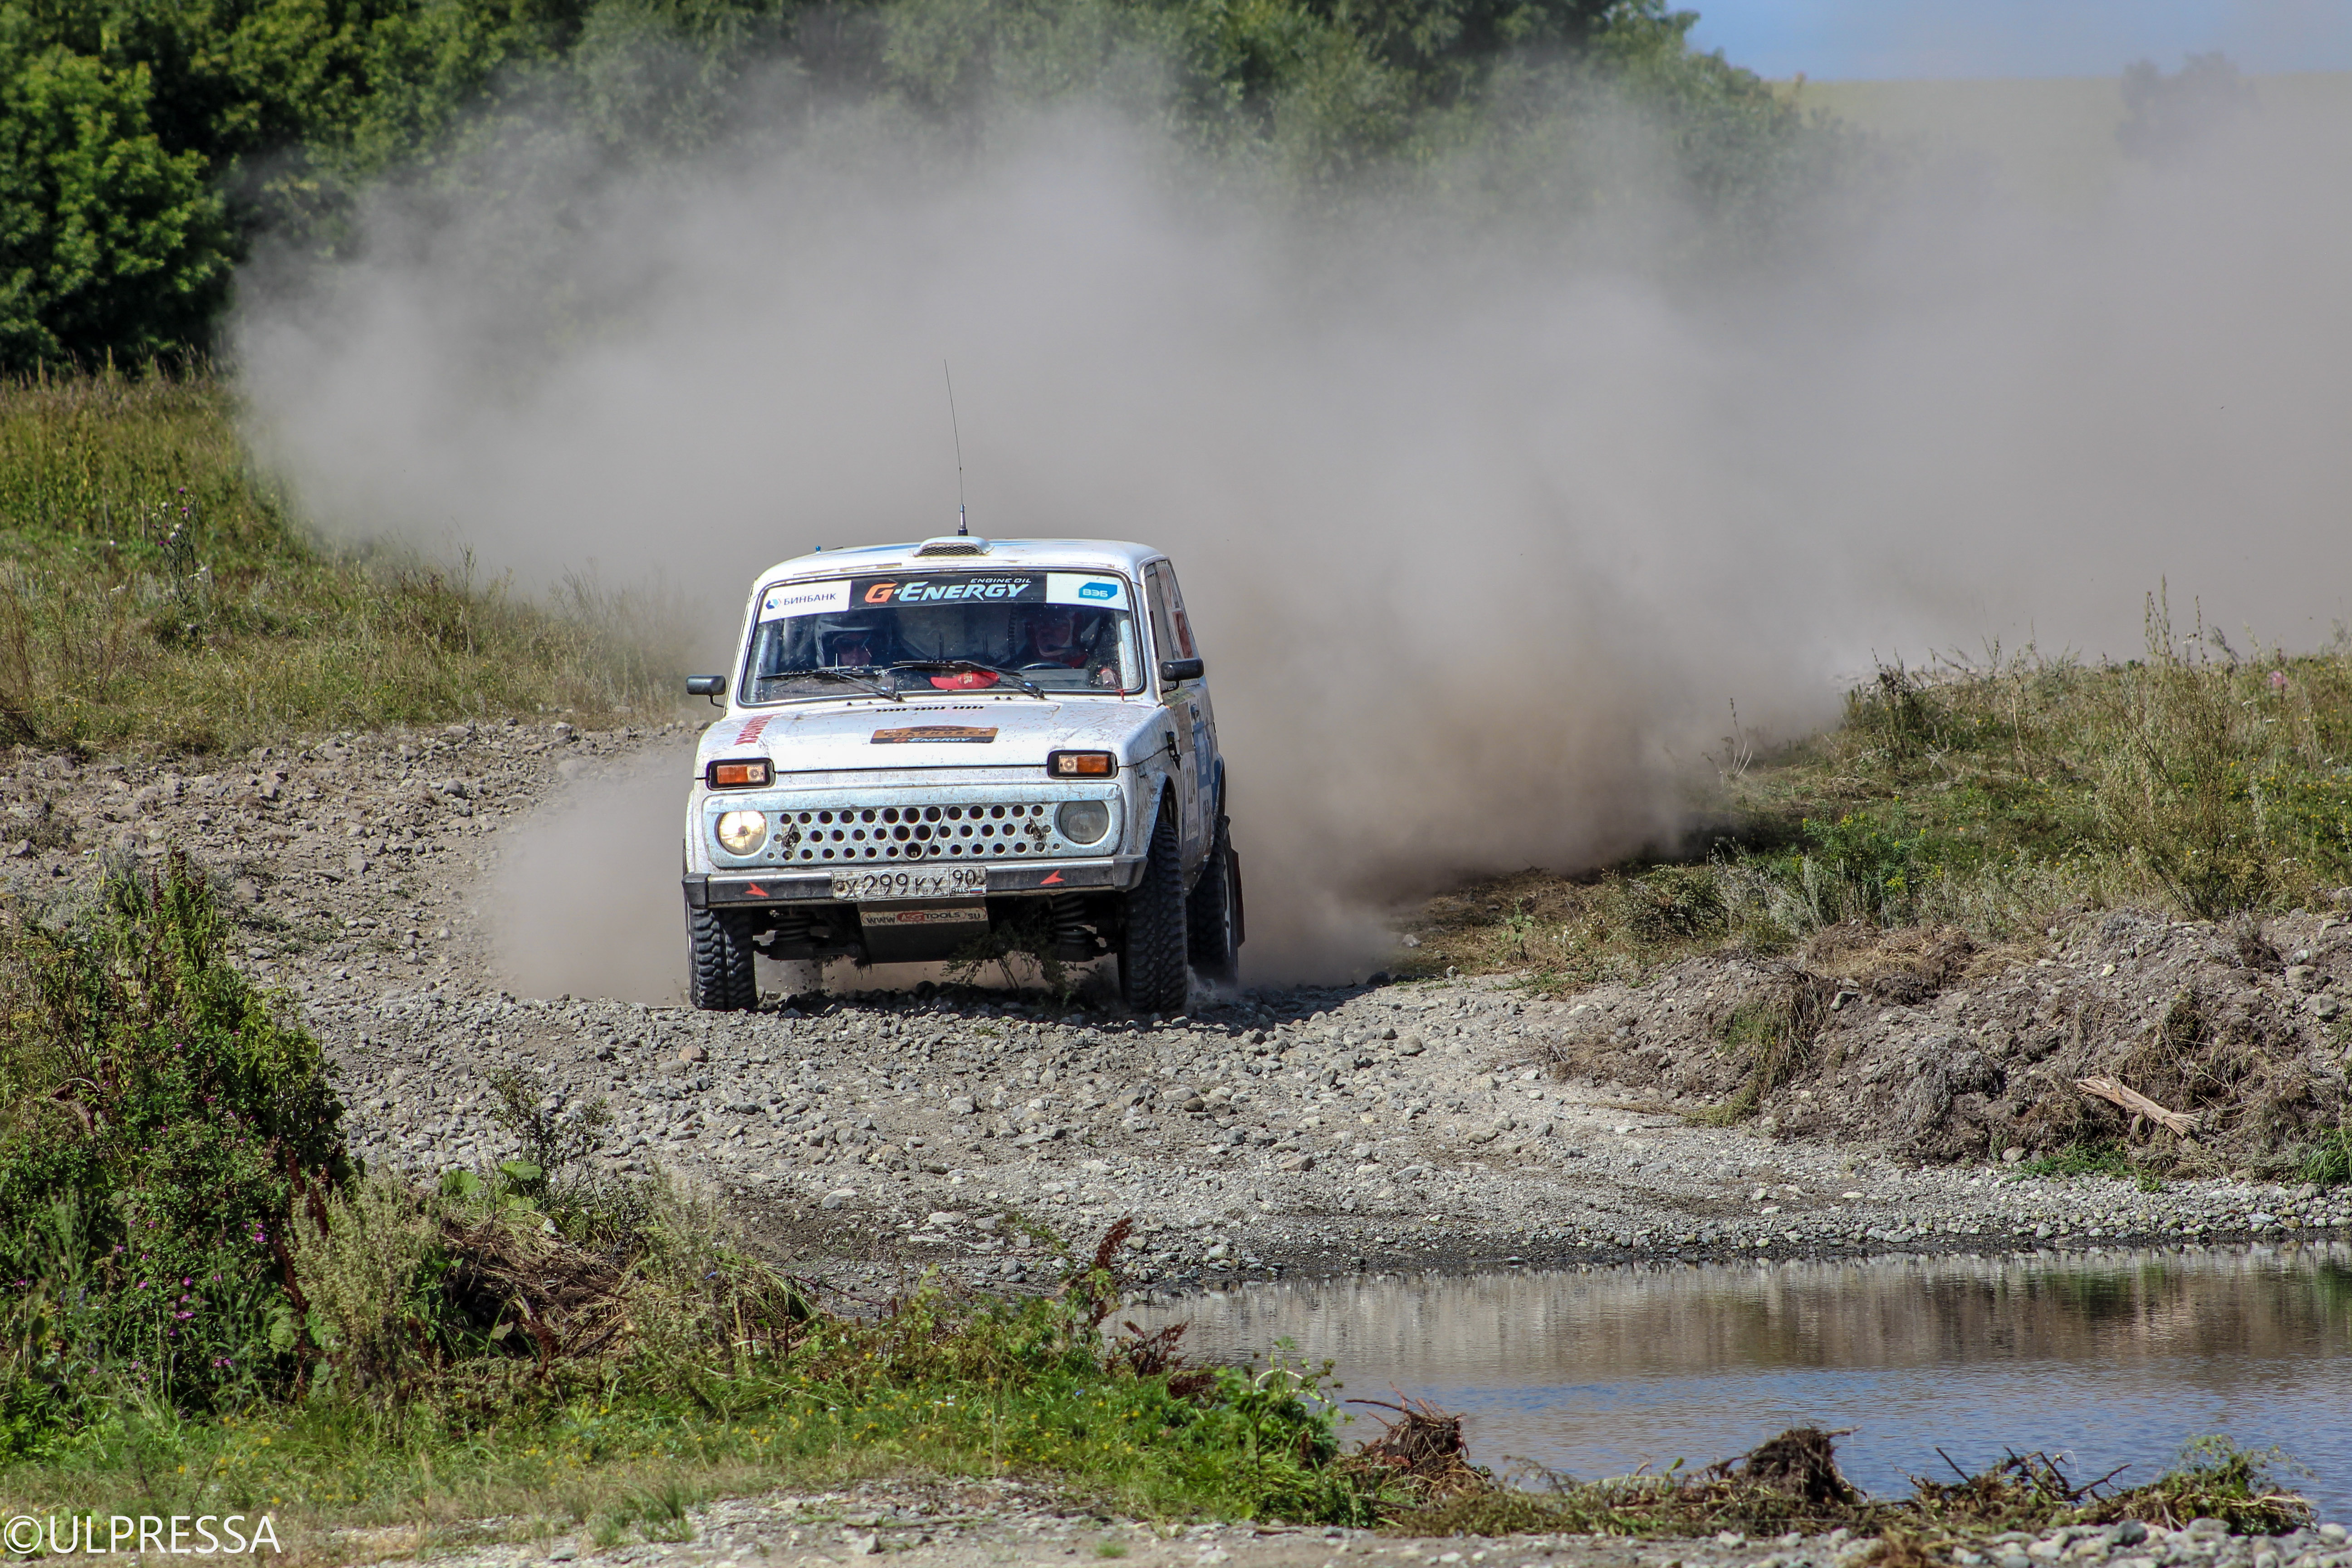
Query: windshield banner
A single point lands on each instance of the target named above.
(990, 588)
(786, 600)
(1086, 588)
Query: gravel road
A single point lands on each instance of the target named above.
(1376, 1126)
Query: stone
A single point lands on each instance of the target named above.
(962, 1105)
(840, 1197)
(693, 1054)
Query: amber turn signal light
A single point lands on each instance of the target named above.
(1081, 764)
(748, 775)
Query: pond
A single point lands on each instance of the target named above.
(2109, 1360)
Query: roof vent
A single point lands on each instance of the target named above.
(954, 544)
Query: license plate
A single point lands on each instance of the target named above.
(906, 882)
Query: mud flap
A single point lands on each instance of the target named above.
(1234, 870)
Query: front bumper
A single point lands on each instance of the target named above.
(758, 889)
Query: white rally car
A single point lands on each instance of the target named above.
(925, 741)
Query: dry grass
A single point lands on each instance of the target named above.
(157, 590)
(1991, 801)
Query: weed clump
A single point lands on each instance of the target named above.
(162, 1126)
(1792, 1482)
(1771, 1040)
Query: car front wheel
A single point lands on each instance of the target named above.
(1151, 972)
(719, 962)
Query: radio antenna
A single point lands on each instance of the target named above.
(963, 525)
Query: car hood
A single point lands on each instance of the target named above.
(830, 738)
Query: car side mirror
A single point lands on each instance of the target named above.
(715, 686)
(1173, 670)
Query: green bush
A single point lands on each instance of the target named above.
(114, 244)
(163, 1128)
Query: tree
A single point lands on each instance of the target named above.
(2167, 118)
(109, 243)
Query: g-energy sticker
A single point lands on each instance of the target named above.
(950, 734)
(789, 599)
(1086, 588)
(973, 588)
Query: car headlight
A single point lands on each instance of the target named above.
(740, 831)
(1083, 821)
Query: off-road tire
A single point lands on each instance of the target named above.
(719, 962)
(1153, 977)
(1212, 928)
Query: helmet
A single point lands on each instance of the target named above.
(1070, 628)
(849, 640)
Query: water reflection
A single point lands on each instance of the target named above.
(2117, 1360)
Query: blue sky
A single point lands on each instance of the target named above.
(1837, 39)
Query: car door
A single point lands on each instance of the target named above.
(1187, 709)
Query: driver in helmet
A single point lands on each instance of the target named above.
(852, 645)
(1056, 637)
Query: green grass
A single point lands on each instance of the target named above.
(2098, 1158)
(158, 590)
(1996, 801)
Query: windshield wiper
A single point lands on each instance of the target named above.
(947, 664)
(840, 672)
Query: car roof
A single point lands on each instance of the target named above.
(954, 553)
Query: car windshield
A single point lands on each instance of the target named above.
(1042, 632)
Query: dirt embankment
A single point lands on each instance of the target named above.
(1924, 1045)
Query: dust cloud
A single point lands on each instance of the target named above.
(1486, 523)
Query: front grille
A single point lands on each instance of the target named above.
(1014, 830)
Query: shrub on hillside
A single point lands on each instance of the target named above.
(160, 1123)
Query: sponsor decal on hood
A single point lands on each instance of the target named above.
(952, 734)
